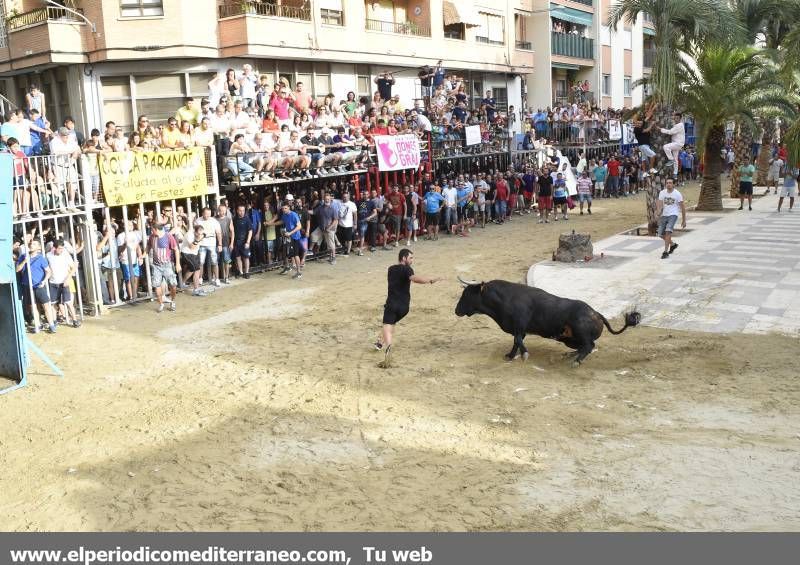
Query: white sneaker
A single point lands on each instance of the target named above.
(160, 308)
(217, 283)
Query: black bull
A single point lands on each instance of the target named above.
(520, 310)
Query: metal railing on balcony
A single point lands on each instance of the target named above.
(649, 58)
(40, 15)
(571, 45)
(402, 28)
(524, 45)
(253, 7)
(584, 2)
(481, 39)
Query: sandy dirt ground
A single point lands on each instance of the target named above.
(261, 408)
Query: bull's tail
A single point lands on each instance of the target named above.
(631, 319)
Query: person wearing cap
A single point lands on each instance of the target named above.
(165, 263)
(64, 151)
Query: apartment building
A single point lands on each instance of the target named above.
(574, 43)
(100, 60)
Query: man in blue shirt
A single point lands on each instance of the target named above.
(433, 204)
(291, 233)
(491, 106)
(34, 272)
(463, 196)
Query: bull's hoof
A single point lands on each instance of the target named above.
(525, 356)
(509, 358)
(576, 364)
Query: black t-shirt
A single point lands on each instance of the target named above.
(424, 79)
(240, 228)
(312, 141)
(545, 185)
(385, 88)
(399, 277)
(409, 204)
(303, 222)
(641, 136)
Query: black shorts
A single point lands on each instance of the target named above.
(393, 313)
(239, 250)
(686, 170)
(60, 294)
(559, 200)
(190, 262)
(432, 218)
(745, 187)
(348, 234)
(295, 249)
(41, 295)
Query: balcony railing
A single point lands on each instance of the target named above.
(571, 45)
(402, 28)
(481, 39)
(40, 15)
(584, 2)
(252, 7)
(574, 97)
(649, 58)
(524, 45)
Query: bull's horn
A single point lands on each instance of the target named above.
(466, 283)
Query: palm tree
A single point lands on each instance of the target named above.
(726, 83)
(681, 26)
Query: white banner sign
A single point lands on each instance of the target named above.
(473, 134)
(614, 130)
(396, 152)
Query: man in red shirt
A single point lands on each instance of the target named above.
(613, 177)
(381, 128)
(302, 99)
(501, 195)
(398, 208)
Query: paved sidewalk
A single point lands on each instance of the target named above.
(734, 271)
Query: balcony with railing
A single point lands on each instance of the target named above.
(232, 8)
(244, 24)
(49, 14)
(401, 28)
(584, 2)
(572, 45)
(49, 34)
(649, 58)
(525, 45)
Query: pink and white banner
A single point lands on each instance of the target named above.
(396, 152)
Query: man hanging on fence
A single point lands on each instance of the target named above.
(678, 139)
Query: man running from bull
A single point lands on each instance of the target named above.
(398, 300)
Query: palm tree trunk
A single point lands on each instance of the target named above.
(765, 153)
(742, 149)
(710, 188)
(662, 117)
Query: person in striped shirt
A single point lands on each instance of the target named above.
(165, 260)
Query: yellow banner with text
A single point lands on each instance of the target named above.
(133, 177)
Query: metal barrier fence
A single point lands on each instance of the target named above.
(54, 199)
(572, 132)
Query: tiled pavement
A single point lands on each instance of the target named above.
(734, 271)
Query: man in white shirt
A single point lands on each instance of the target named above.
(450, 196)
(774, 174)
(678, 140)
(62, 267)
(670, 203)
(220, 122)
(130, 258)
(422, 120)
(347, 221)
(247, 86)
(211, 244)
(64, 151)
